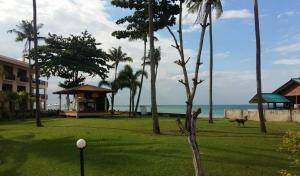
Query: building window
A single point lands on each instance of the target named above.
(21, 89)
(7, 87)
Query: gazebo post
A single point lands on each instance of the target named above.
(59, 102)
(268, 105)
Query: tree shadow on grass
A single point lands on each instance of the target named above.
(107, 156)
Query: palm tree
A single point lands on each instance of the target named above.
(258, 69)
(25, 32)
(128, 79)
(116, 55)
(193, 7)
(157, 58)
(36, 64)
(156, 128)
(142, 77)
(111, 84)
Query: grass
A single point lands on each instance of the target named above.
(127, 147)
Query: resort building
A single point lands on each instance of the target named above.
(281, 105)
(14, 76)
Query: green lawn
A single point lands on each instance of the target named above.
(127, 147)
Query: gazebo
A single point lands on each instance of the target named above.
(291, 90)
(271, 98)
(88, 100)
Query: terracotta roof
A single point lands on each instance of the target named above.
(83, 88)
(287, 84)
(13, 61)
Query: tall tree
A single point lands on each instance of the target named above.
(129, 79)
(189, 129)
(258, 69)
(164, 15)
(25, 32)
(195, 7)
(116, 55)
(72, 58)
(37, 69)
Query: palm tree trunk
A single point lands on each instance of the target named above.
(113, 93)
(142, 77)
(156, 128)
(130, 101)
(210, 113)
(37, 94)
(258, 69)
(30, 79)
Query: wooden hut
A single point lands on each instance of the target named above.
(291, 90)
(88, 100)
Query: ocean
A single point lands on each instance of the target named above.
(218, 110)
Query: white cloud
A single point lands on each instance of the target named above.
(288, 14)
(288, 48)
(189, 19)
(287, 62)
(236, 14)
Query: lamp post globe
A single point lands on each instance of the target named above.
(81, 143)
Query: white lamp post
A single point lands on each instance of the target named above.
(81, 144)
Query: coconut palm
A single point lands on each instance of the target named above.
(116, 55)
(194, 6)
(258, 69)
(24, 32)
(36, 64)
(157, 58)
(129, 79)
(156, 128)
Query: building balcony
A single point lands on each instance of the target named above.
(23, 79)
(9, 77)
(41, 82)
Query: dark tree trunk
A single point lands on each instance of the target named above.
(156, 128)
(130, 100)
(30, 80)
(258, 69)
(210, 109)
(113, 94)
(142, 78)
(37, 96)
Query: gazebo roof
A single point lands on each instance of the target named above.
(270, 98)
(83, 88)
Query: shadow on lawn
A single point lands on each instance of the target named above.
(105, 155)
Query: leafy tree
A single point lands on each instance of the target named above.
(72, 58)
(258, 69)
(129, 79)
(195, 7)
(25, 32)
(163, 15)
(116, 55)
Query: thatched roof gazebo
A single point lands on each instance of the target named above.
(88, 101)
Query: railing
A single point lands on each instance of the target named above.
(41, 82)
(9, 77)
(42, 96)
(23, 79)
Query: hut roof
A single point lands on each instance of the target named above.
(270, 98)
(83, 88)
(287, 85)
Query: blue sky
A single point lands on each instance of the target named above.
(234, 45)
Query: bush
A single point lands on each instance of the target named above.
(291, 145)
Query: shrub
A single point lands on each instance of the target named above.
(291, 145)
